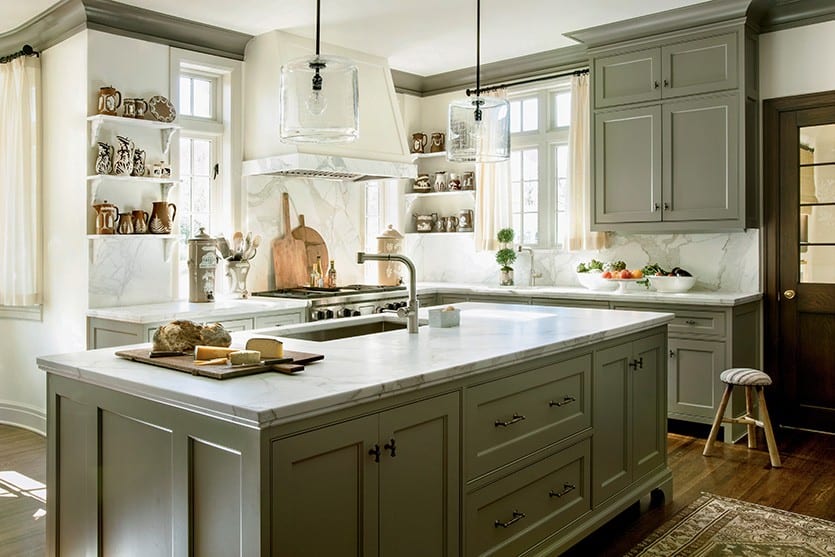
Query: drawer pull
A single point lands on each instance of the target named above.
(563, 402)
(691, 321)
(516, 516)
(516, 418)
(566, 488)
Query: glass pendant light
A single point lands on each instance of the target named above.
(479, 127)
(319, 97)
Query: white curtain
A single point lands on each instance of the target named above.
(20, 188)
(579, 235)
(492, 197)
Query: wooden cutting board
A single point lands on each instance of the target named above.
(289, 255)
(314, 244)
(296, 362)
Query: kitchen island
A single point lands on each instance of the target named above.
(518, 432)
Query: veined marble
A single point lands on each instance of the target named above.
(362, 368)
(200, 312)
(330, 165)
(722, 262)
(130, 270)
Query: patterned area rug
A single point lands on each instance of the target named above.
(714, 526)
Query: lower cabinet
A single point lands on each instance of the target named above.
(385, 484)
(629, 414)
(694, 366)
(510, 515)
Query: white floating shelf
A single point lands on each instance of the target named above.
(439, 233)
(98, 121)
(416, 156)
(165, 184)
(439, 194)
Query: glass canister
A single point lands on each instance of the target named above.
(202, 264)
(390, 273)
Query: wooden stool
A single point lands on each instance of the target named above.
(750, 379)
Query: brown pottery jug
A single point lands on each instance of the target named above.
(162, 217)
(140, 221)
(109, 100)
(106, 214)
(125, 224)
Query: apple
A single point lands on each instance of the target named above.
(607, 274)
(626, 274)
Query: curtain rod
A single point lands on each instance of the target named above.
(526, 81)
(25, 51)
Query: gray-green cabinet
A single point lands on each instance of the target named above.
(694, 366)
(677, 69)
(340, 490)
(629, 414)
(672, 135)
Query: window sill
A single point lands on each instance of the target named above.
(22, 313)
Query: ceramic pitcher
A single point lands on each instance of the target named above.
(106, 214)
(104, 160)
(125, 225)
(418, 142)
(437, 144)
(140, 221)
(138, 163)
(162, 217)
(109, 100)
(123, 165)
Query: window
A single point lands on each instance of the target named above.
(539, 120)
(198, 168)
(197, 95)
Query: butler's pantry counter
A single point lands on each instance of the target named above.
(465, 424)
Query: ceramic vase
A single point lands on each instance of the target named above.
(123, 166)
(104, 160)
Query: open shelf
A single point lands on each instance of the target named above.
(165, 184)
(416, 156)
(100, 121)
(438, 233)
(439, 194)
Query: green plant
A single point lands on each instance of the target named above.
(506, 257)
(505, 235)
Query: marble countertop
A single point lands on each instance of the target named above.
(364, 368)
(634, 293)
(217, 310)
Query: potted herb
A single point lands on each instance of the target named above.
(505, 256)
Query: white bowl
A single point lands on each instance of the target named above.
(672, 284)
(593, 281)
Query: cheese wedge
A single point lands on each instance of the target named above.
(270, 348)
(212, 352)
(244, 357)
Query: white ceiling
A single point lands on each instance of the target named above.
(424, 37)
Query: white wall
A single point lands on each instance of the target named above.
(22, 385)
(797, 61)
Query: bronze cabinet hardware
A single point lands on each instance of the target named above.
(516, 418)
(375, 452)
(390, 447)
(565, 400)
(516, 516)
(566, 488)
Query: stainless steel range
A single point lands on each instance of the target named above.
(344, 301)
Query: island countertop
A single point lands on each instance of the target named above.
(363, 368)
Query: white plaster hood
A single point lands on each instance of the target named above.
(380, 152)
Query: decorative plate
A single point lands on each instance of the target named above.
(161, 109)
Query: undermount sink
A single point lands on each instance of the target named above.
(334, 329)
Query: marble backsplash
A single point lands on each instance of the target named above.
(726, 262)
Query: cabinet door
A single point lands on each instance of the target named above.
(324, 492)
(611, 447)
(700, 66)
(694, 388)
(701, 159)
(649, 418)
(627, 78)
(419, 479)
(627, 169)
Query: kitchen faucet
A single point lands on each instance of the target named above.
(410, 311)
(534, 274)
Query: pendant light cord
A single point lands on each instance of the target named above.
(318, 25)
(477, 48)
(317, 64)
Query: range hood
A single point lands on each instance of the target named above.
(380, 152)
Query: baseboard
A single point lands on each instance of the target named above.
(23, 416)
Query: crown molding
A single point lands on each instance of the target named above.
(71, 16)
(776, 15)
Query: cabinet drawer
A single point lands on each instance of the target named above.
(509, 418)
(514, 513)
(262, 321)
(687, 321)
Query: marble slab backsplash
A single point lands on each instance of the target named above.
(127, 271)
(727, 262)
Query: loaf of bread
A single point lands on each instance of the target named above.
(183, 336)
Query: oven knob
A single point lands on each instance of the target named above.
(402, 304)
(391, 306)
(319, 315)
(355, 313)
(346, 312)
(328, 314)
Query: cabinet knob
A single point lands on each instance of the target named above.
(666, 206)
(390, 447)
(789, 294)
(655, 207)
(375, 452)
(672, 354)
(666, 83)
(655, 84)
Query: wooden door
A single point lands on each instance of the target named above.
(324, 492)
(800, 258)
(419, 479)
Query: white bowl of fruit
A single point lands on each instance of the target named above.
(596, 275)
(675, 281)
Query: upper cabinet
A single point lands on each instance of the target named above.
(686, 68)
(673, 129)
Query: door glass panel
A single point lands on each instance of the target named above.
(817, 264)
(817, 204)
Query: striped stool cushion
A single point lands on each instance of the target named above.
(744, 376)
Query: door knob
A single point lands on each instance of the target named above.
(789, 294)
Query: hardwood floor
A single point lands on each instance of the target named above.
(805, 484)
(22, 473)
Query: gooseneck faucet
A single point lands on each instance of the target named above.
(534, 274)
(410, 311)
